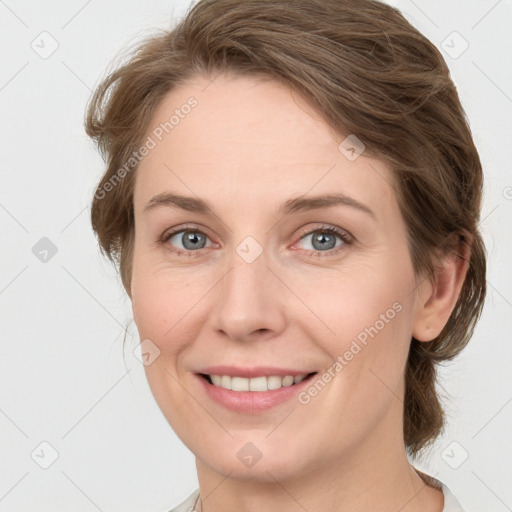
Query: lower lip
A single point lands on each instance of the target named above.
(252, 402)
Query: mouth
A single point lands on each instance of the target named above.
(255, 384)
(253, 389)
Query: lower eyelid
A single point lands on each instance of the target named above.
(331, 251)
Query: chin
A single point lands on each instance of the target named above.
(264, 471)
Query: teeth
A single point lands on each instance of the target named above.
(298, 379)
(216, 379)
(256, 383)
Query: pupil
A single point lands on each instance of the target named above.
(191, 238)
(323, 239)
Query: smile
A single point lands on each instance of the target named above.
(261, 383)
(255, 393)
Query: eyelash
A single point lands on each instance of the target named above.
(343, 235)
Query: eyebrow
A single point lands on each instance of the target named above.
(297, 204)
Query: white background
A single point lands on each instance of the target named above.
(62, 375)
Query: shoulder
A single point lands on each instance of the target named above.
(450, 501)
(188, 504)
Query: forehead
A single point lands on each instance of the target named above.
(252, 139)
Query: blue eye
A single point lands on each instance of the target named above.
(192, 240)
(324, 240)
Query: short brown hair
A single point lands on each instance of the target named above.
(368, 72)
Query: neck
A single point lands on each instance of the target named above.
(401, 489)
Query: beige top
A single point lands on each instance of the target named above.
(450, 502)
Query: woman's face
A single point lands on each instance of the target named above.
(236, 270)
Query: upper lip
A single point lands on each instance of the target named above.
(253, 371)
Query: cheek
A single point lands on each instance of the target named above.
(371, 316)
(148, 308)
(356, 299)
(168, 304)
(157, 302)
(160, 306)
(363, 318)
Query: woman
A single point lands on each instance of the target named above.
(292, 195)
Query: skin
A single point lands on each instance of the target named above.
(249, 146)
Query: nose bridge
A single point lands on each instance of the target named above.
(246, 298)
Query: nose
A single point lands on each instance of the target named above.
(250, 300)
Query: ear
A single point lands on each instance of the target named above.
(436, 297)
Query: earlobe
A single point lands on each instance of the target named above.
(437, 296)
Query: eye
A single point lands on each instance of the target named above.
(186, 240)
(189, 241)
(323, 241)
